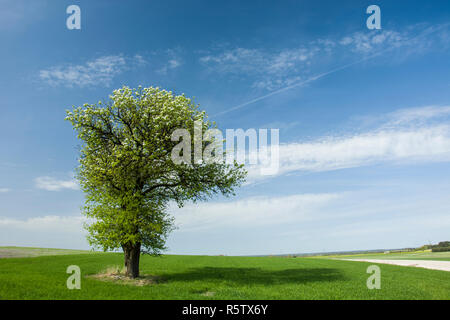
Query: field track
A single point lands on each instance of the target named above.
(427, 264)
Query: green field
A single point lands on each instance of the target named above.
(217, 277)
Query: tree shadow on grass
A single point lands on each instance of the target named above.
(258, 276)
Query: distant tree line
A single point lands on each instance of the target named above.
(441, 246)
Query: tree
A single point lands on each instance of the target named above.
(127, 172)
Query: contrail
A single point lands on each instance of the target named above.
(321, 75)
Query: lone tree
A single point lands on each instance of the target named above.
(127, 172)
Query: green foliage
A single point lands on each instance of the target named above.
(126, 170)
(440, 249)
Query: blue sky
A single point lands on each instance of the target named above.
(364, 116)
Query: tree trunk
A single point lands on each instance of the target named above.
(132, 254)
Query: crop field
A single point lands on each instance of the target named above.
(22, 252)
(214, 277)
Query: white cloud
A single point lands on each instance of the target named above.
(46, 231)
(172, 61)
(4, 190)
(103, 70)
(417, 116)
(45, 223)
(367, 42)
(97, 72)
(139, 60)
(273, 84)
(240, 60)
(393, 216)
(343, 152)
(235, 56)
(274, 69)
(251, 212)
(52, 184)
(170, 65)
(405, 137)
(295, 223)
(414, 39)
(289, 58)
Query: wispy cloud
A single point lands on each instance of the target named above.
(250, 212)
(4, 190)
(170, 65)
(103, 70)
(407, 135)
(49, 231)
(173, 61)
(292, 214)
(367, 42)
(284, 61)
(240, 60)
(139, 60)
(417, 116)
(45, 223)
(296, 223)
(288, 68)
(414, 39)
(368, 148)
(271, 69)
(52, 184)
(98, 72)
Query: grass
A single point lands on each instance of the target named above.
(215, 277)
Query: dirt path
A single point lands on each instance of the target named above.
(427, 264)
